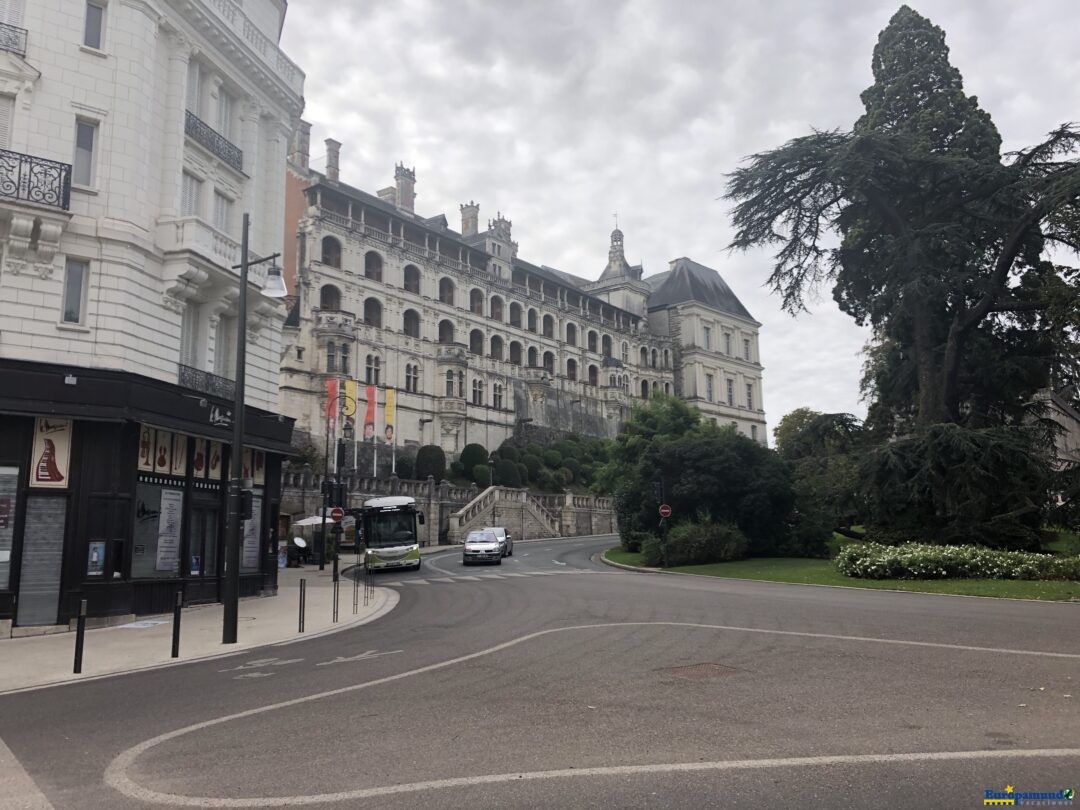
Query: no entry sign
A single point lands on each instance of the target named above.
(337, 513)
(665, 510)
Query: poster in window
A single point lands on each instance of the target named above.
(247, 463)
(95, 559)
(260, 468)
(252, 529)
(9, 490)
(168, 540)
(52, 452)
(198, 462)
(213, 461)
(179, 454)
(162, 451)
(146, 448)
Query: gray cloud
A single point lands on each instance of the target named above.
(560, 113)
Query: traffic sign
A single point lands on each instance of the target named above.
(336, 514)
(665, 510)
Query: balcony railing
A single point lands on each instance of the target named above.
(205, 135)
(36, 180)
(206, 383)
(13, 39)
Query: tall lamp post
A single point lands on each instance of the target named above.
(347, 434)
(273, 287)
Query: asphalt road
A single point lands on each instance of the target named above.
(555, 681)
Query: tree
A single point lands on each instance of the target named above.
(506, 473)
(481, 474)
(430, 460)
(943, 240)
(472, 456)
(789, 426)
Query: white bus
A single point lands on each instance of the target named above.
(391, 538)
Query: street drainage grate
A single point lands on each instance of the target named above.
(700, 672)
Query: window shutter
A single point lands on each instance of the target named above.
(193, 89)
(11, 12)
(7, 109)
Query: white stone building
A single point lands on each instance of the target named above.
(478, 342)
(135, 134)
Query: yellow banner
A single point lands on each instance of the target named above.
(389, 412)
(348, 408)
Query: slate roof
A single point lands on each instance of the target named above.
(689, 281)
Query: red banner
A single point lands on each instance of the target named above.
(369, 414)
(331, 397)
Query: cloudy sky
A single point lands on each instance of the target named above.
(559, 113)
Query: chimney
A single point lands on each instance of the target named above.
(406, 186)
(470, 219)
(333, 154)
(301, 146)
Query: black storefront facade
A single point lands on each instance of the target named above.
(113, 489)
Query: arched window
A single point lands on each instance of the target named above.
(644, 356)
(515, 352)
(531, 324)
(549, 326)
(446, 332)
(412, 378)
(594, 375)
(343, 360)
(496, 347)
(667, 388)
(532, 357)
(496, 396)
(655, 387)
(331, 357)
(373, 265)
(373, 312)
(477, 392)
(410, 323)
(592, 340)
(329, 297)
(446, 291)
(667, 359)
(654, 358)
(605, 346)
(571, 369)
(476, 302)
(461, 385)
(331, 251)
(625, 352)
(571, 334)
(549, 362)
(476, 342)
(626, 383)
(371, 375)
(644, 389)
(496, 308)
(515, 314)
(412, 279)
(449, 383)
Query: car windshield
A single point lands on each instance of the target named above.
(391, 529)
(481, 538)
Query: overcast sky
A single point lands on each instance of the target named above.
(559, 113)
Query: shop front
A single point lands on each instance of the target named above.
(113, 490)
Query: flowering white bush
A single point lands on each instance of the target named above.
(924, 561)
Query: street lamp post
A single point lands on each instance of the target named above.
(274, 287)
(347, 433)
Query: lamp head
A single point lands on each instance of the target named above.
(274, 286)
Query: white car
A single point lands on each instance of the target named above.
(506, 541)
(482, 546)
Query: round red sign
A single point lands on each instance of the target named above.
(665, 510)
(336, 514)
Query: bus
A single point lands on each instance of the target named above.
(390, 533)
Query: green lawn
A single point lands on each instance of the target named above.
(822, 572)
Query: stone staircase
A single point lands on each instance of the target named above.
(521, 513)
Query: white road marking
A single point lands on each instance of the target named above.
(116, 774)
(470, 579)
(417, 582)
(264, 662)
(364, 656)
(17, 786)
(558, 563)
(443, 579)
(492, 576)
(514, 575)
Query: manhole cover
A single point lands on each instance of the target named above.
(700, 672)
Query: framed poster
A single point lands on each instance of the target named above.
(249, 557)
(213, 462)
(51, 454)
(146, 448)
(179, 454)
(95, 559)
(168, 539)
(260, 468)
(9, 492)
(198, 463)
(162, 452)
(247, 463)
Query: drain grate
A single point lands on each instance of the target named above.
(700, 672)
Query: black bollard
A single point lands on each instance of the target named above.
(80, 634)
(303, 595)
(176, 624)
(336, 584)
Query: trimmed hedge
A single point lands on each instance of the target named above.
(702, 543)
(924, 561)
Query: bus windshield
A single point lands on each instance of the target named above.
(391, 529)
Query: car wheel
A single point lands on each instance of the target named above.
(418, 562)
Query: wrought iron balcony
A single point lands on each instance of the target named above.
(205, 135)
(206, 383)
(13, 39)
(34, 179)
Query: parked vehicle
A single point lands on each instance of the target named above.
(482, 546)
(506, 541)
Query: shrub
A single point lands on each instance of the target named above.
(701, 543)
(810, 535)
(533, 465)
(552, 459)
(481, 474)
(925, 561)
(430, 460)
(509, 452)
(535, 449)
(632, 541)
(652, 552)
(523, 473)
(405, 467)
(457, 470)
(506, 473)
(564, 476)
(472, 455)
(573, 465)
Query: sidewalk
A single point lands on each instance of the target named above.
(146, 643)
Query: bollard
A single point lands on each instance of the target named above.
(80, 634)
(303, 595)
(176, 624)
(336, 584)
(355, 592)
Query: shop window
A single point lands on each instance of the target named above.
(155, 552)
